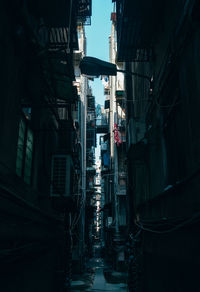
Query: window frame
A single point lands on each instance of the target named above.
(25, 165)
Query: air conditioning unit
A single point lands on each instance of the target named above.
(61, 176)
(63, 113)
(109, 221)
(90, 116)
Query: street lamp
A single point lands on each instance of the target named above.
(95, 67)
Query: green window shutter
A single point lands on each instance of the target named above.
(28, 157)
(20, 148)
(24, 151)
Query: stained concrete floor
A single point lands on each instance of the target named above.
(95, 280)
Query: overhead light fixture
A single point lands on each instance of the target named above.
(95, 67)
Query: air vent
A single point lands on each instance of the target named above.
(60, 175)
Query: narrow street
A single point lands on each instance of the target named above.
(100, 278)
(100, 145)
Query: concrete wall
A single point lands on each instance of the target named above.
(164, 159)
(33, 240)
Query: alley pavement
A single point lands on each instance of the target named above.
(95, 280)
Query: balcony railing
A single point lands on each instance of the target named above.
(84, 11)
(121, 191)
(101, 126)
(58, 37)
(84, 8)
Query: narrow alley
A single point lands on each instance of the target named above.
(100, 277)
(99, 145)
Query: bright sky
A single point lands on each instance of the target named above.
(98, 39)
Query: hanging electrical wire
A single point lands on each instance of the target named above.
(144, 225)
(76, 218)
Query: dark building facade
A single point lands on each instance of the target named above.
(160, 41)
(39, 158)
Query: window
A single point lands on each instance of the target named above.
(64, 111)
(24, 151)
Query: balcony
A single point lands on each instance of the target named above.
(84, 11)
(58, 37)
(84, 8)
(58, 77)
(121, 191)
(52, 25)
(91, 102)
(102, 126)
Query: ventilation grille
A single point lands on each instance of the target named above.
(58, 37)
(60, 175)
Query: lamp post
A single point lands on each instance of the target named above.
(95, 67)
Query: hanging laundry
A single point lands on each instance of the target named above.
(118, 141)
